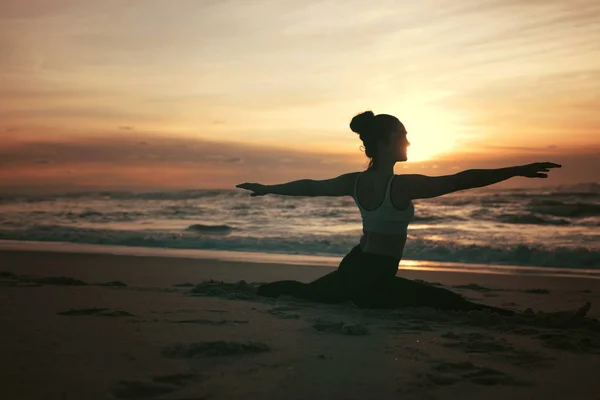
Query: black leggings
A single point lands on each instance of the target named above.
(370, 281)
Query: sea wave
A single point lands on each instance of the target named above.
(564, 209)
(210, 229)
(100, 217)
(436, 218)
(521, 254)
(530, 219)
(124, 195)
(201, 237)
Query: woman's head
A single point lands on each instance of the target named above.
(383, 137)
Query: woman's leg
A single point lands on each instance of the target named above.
(278, 288)
(368, 280)
(325, 289)
(329, 288)
(400, 292)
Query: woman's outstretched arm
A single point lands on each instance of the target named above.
(338, 186)
(422, 187)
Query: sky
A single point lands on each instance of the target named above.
(184, 94)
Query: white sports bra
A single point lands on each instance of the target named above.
(386, 218)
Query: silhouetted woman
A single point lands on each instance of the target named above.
(367, 274)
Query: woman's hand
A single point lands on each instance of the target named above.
(256, 188)
(535, 170)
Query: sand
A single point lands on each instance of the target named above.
(93, 326)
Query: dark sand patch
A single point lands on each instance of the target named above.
(536, 291)
(353, 329)
(562, 319)
(177, 379)
(50, 280)
(282, 315)
(286, 308)
(59, 280)
(282, 312)
(410, 327)
(214, 349)
(209, 322)
(153, 289)
(428, 283)
(525, 330)
(113, 284)
(408, 353)
(103, 312)
(19, 284)
(477, 288)
(573, 324)
(578, 342)
(474, 342)
(141, 390)
(160, 385)
(237, 291)
(447, 373)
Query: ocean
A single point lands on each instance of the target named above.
(556, 227)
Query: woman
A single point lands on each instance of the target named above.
(367, 275)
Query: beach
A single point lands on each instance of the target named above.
(161, 161)
(102, 326)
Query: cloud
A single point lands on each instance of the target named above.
(524, 75)
(170, 163)
(15, 9)
(107, 162)
(71, 111)
(129, 151)
(45, 93)
(520, 149)
(220, 158)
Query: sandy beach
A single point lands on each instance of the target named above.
(99, 326)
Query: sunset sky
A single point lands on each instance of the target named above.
(182, 94)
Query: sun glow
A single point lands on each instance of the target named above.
(430, 134)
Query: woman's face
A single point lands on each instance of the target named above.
(399, 143)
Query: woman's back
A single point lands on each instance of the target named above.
(384, 217)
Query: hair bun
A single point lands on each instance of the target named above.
(362, 123)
